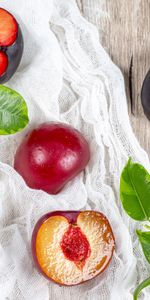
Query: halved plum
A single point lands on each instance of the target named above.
(8, 28)
(3, 62)
(72, 247)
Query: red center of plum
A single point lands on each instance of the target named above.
(75, 246)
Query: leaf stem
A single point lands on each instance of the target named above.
(141, 286)
(147, 226)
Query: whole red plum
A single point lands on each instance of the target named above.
(51, 155)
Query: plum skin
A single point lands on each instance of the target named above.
(51, 155)
(71, 216)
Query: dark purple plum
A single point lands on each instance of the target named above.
(145, 95)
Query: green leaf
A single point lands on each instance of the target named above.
(141, 286)
(135, 191)
(144, 238)
(13, 111)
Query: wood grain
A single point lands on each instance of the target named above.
(124, 30)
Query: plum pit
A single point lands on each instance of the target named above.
(75, 246)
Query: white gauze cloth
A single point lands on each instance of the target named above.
(65, 75)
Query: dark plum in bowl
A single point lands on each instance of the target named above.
(145, 95)
(11, 45)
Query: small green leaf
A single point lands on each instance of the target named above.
(13, 111)
(144, 238)
(141, 286)
(135, 191)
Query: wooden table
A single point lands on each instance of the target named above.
(124, 29)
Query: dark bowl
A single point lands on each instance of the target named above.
(14, 53)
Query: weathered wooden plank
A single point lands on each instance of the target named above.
(124, 29)
(79, 3)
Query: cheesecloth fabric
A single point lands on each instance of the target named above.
(65, 75)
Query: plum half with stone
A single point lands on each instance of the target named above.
(51, 155)
(11, 45)
(71, 247)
